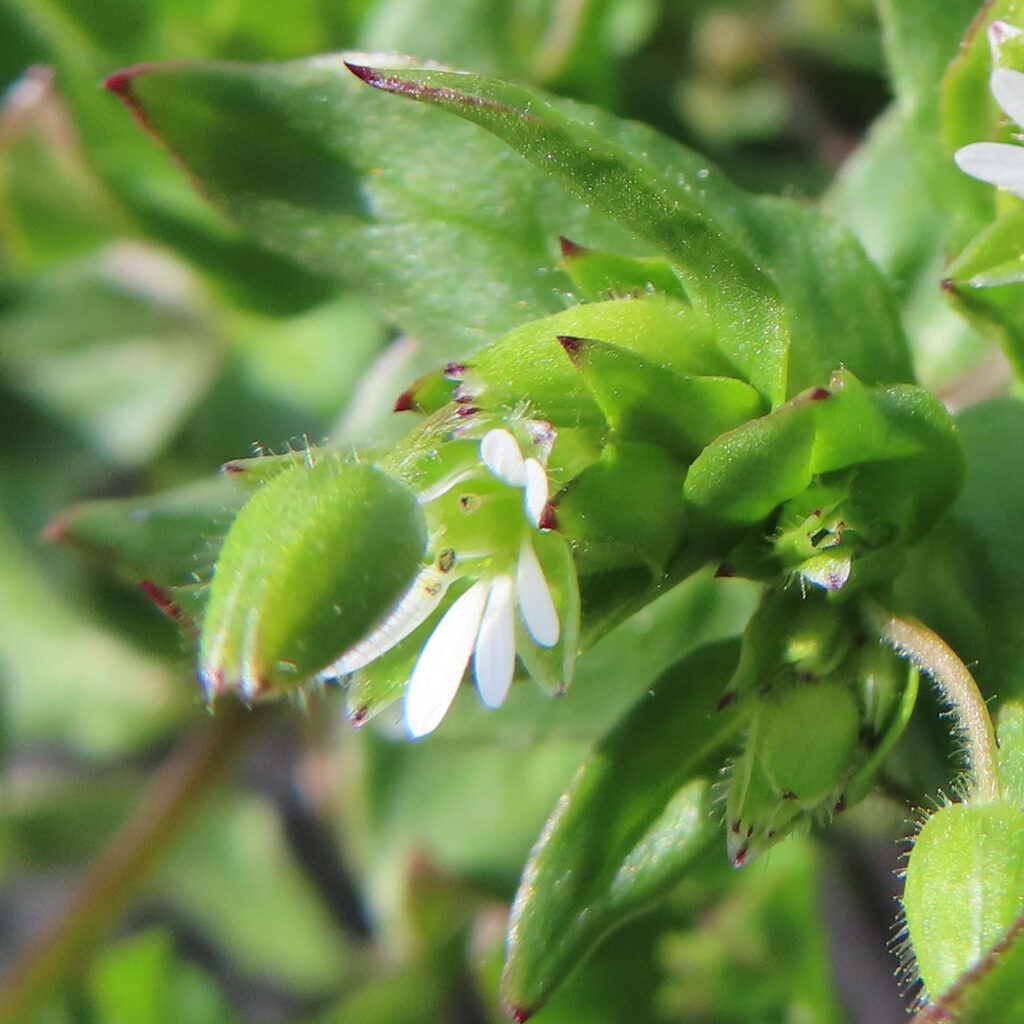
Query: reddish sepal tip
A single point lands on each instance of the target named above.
(725, 700)
(56, 528)
(362, 71)
(947, 285)
(520, 1015)
(163, 599)
(120, 82)
(359, 716)
(454, 371)
(820, 394)
(548, 520)
(571, 344)
(232, 467)
(405, 402)
(570, 250)
(725, 571)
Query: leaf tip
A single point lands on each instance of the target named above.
(570, 250)
(363, 72)
(56, 529)
(573, 346)
(520, 1014)
(120, 83)
(406, 401)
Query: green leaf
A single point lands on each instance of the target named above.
(921, 39)
(143, 981)
(170, 539)
(116, 346)
(717, 239)
(964, 889)
(881, 197)
(722, 281)
(315, 557)
(1010, 729)
(967, 582)
(447, 239)
(635, 816)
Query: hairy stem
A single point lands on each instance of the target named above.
(933, 656)
(178, 789)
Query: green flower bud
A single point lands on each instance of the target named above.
(312, 560)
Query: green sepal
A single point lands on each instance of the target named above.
(647, 402)
(809, 734)
(906, 495)
(316, 556)
(805, 635)
(257, 470)
(552, 668)
(377, 686)
(168, 539)
(985, 281)
(634, 818)
(530, 361)
(632, 497)
(604, 275)
(825, 704)
(745, 473)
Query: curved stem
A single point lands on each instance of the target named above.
(933, 656)
(179, 787)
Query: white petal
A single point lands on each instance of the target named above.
(500, 453)
(442, 663)
(995, 162)
(412, 610)
(536, 490)
(1008, 89)
(494, 660)
(535, 603)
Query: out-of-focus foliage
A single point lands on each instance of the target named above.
(146, 338)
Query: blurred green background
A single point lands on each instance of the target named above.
(343, 876)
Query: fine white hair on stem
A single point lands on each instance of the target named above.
(933, 656)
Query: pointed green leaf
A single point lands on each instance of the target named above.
(647, 402)
(637, 813)
(604, 275)
(169, 539)
(660, 207)
(631, 497)
(446, 236)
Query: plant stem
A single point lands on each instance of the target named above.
(933, 656)
(179, 787)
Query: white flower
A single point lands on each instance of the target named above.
(481, 622)
(999, 163)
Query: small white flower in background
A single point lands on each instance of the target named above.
(481, 623)
(999, 163)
